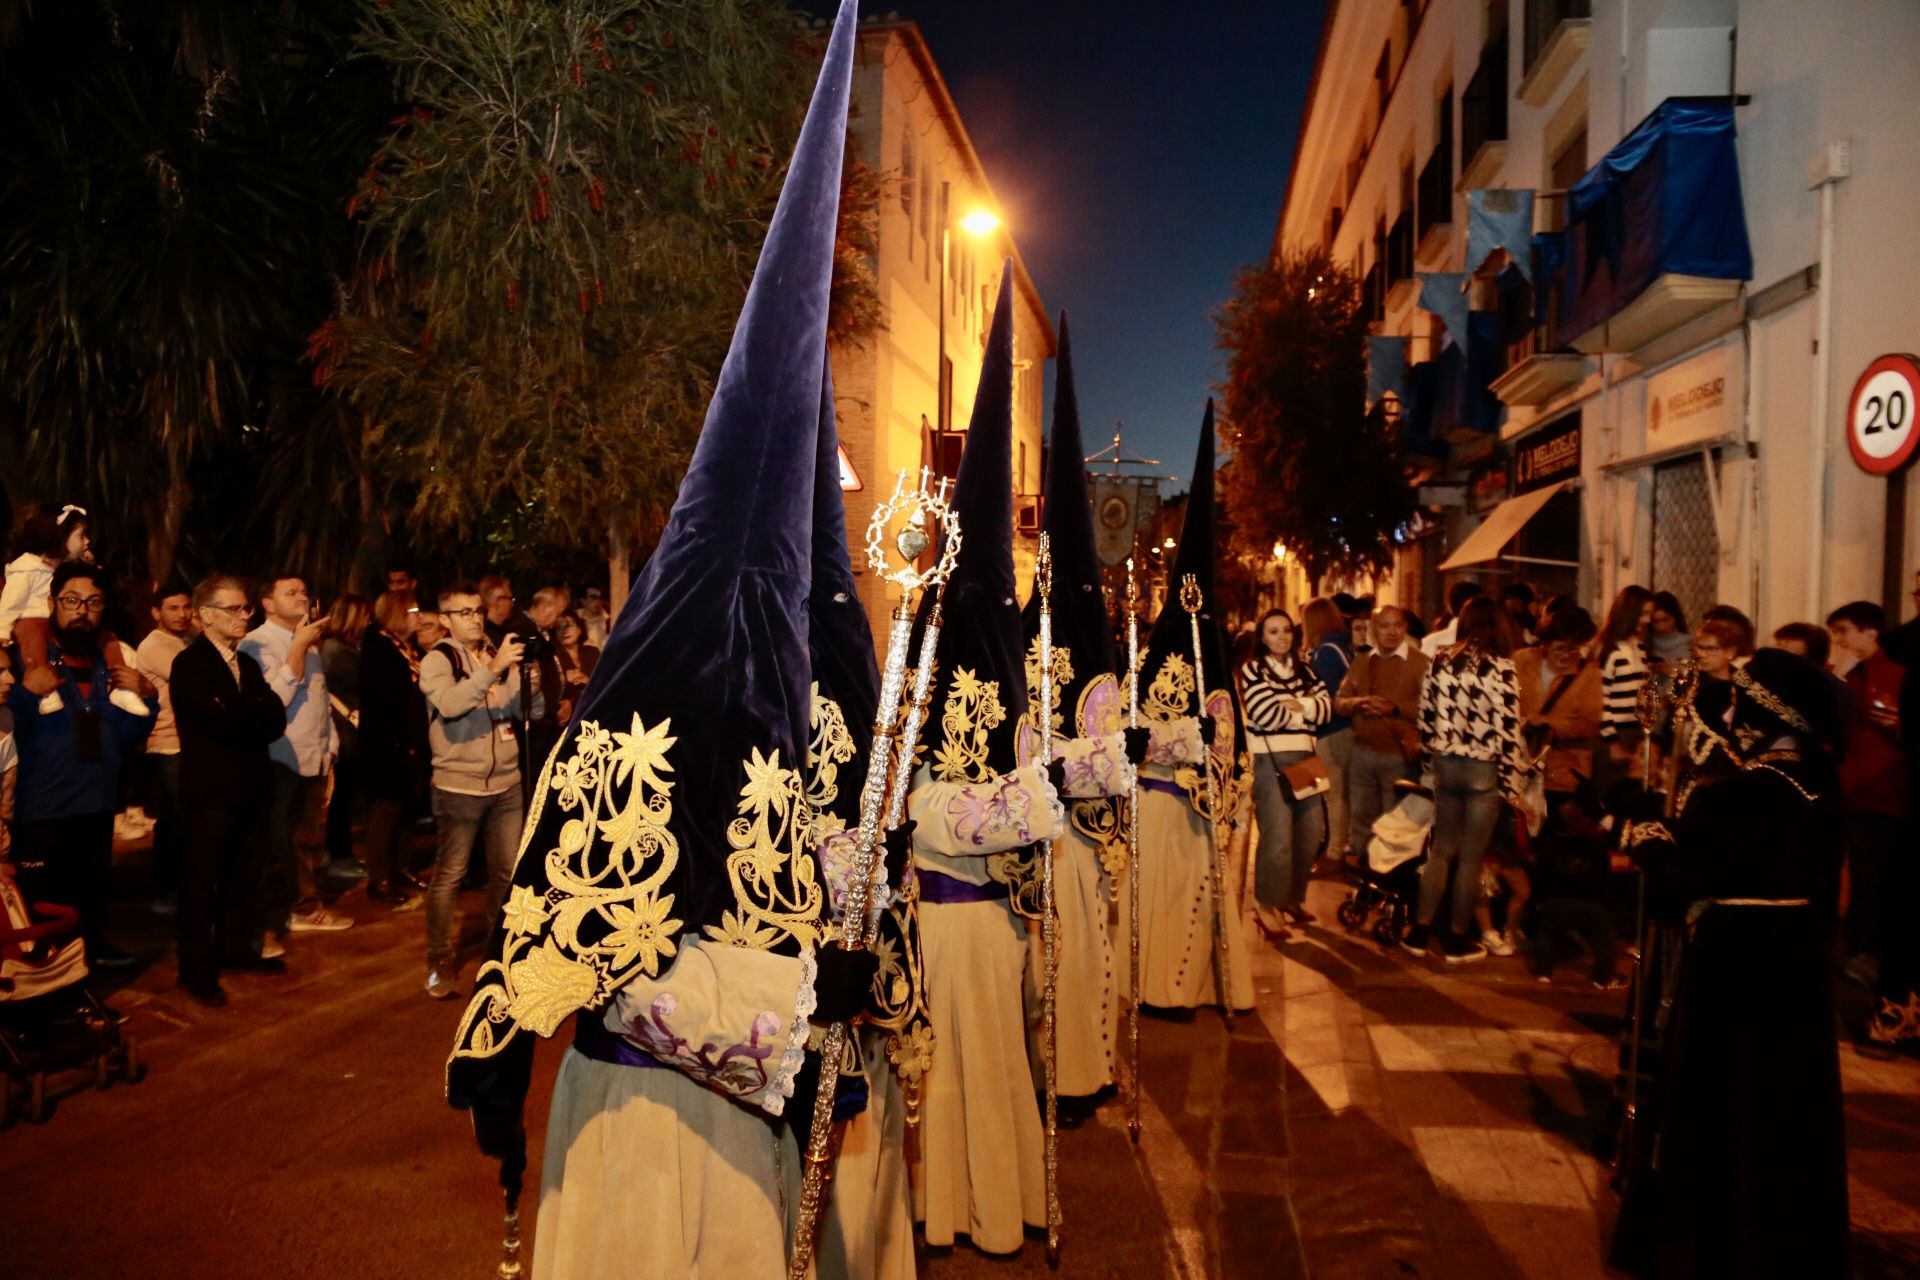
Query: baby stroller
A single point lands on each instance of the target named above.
(1390, 873)
(49, 1021)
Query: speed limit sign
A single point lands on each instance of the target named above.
(1880, 419)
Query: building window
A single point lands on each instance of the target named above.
(1542, 19)
(906, 184)
(1435, 200)
(1568, 166)
(1483, 105)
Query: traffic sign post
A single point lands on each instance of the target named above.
(1881, 416)
(1882, 435)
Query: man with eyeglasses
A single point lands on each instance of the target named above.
(286, 645)
(227, 717)
(71, 760)
(473, 694)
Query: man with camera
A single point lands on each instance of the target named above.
(286, 648)
(474, 702)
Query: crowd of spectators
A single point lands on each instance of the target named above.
(280, 751)
(1528, 722)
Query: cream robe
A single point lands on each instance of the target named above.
(677, 1170)
(1086, 1015)
(1177, 947)
(980, 1169)
(866, 1232)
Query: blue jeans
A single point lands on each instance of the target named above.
(1466, 804)
(1370, 790)
(458, 819)
(1291, 833)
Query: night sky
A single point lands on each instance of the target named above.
(1140, 152)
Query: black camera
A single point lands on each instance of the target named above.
(535, 647)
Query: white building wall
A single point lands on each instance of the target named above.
(1815, 74)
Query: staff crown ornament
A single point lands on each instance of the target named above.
(918, 510)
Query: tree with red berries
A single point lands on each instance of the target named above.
(559, 233)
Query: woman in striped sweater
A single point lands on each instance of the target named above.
(1622, 657)
(1283, 702)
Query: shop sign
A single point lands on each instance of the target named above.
(1689, 403)
(1547, 456)
(1488, 488)
(1880, 428)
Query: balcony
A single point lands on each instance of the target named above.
(1538, 378)
(1656, 232)
(1434, 201)
(1483, 118)
(1399, 260)
(1555, 38)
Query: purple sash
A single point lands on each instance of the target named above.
(1162, 784)
(591, 1038)
(935, 887)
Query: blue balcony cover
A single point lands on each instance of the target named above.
(1666, 201)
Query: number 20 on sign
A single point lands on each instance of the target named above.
(1880, 417)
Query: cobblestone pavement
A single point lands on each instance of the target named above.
(1376, 1116)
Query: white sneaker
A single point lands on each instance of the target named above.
(440, 986)
(1496, 943)
(318, 920)
(271, 948)
(130, 702)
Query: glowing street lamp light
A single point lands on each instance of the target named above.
(980, 222)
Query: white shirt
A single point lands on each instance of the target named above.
(1439, 639)
(309, 746)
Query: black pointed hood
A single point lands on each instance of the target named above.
(980, 687)
(1082, 629)
(691, 737)
(845, 672)
(1172, 634)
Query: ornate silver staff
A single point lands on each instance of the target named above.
(923, 509)
(1043, 589)
(1649, 709)
(1191, 599)
(1133, 854)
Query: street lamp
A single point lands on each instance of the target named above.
(978, 223)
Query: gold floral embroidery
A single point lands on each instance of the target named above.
(1062, 677)
(1170, 696)
(831, 746)
(603, 920)
(972, 711)
(1231, 782)
(775, 886)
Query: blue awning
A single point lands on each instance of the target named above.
(1666, 201)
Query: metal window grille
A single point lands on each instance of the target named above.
(1686, 544)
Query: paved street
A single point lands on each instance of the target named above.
(1379, 1117)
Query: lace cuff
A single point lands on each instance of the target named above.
(781, 1086)
(1096, 766)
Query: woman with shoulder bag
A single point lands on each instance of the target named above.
(1284, 701)
(1470, 735)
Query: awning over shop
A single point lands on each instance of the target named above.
(1500, 527)
(1665, 202)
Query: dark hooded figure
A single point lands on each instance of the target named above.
(1179, 968)
(1745, 1171)
(667, 900)
(973, 803)
(867, 1230)
(1089, 714)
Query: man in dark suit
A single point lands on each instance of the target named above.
(227, 716)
